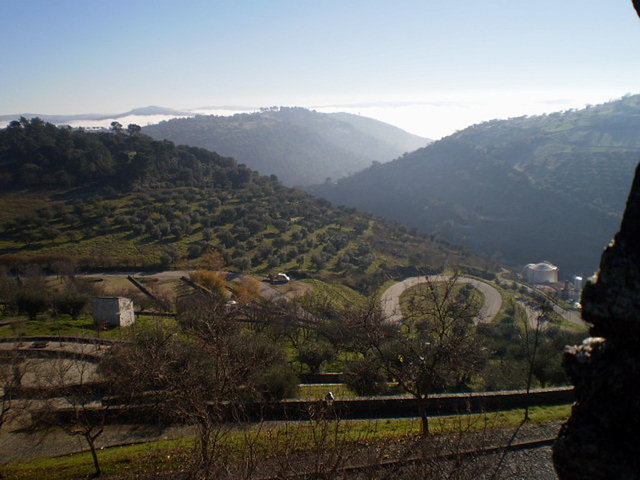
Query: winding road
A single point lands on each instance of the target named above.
(391, 297)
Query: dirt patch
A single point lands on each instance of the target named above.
(294, 289)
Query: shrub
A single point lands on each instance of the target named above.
(70, 303)
(365, 377)
(31, 302)
(314, 354)
(209, 280)
(194, 250)
(276, 383)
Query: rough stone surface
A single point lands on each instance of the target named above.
(611, 302)
(601, 440)
(113, 311)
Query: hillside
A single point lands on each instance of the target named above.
(299, 146)
(119, 199)
(522, 190)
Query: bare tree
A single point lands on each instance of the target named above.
(12, 369)
(162, 370)
(534, 323)
(70, 402)
(434, 349)
(197, 372)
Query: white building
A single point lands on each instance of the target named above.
(113, 311)
(543, 272)
(578, 283)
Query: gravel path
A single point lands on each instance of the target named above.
(529, 464)
(532, 464)
(20, 446)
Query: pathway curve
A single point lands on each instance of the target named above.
(572, 316)
(391, 297)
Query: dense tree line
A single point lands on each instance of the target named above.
(29, 293)
(36, 153)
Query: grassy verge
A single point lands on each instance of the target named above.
(340, 295)
(64, 325)
(411, 298)
(318, 392)
(172, 455)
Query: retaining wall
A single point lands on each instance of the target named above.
(347, 409)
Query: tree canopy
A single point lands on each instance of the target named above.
(35, 153)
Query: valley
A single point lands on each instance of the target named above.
(521, 190)
(80, 208)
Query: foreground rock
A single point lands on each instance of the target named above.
(601, 440)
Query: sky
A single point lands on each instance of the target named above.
(429, 66)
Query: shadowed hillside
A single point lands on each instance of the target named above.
(299, 146)
(526, 189)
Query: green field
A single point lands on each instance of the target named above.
(270, 440)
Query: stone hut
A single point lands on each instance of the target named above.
(113, 311)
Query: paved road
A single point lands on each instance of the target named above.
(572, 316)
(54, 344)
(163, 274)
(391, 297)
(266, 290)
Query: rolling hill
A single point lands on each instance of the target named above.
(550, 187)
(299, 146)
(121, 200)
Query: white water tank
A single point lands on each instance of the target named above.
(543, 272)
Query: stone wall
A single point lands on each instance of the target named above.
(345, 409)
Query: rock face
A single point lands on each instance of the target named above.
(601, 440)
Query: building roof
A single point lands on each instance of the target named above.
(541, 267)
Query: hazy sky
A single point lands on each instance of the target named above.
(429, 66)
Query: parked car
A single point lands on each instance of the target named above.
(279, 278)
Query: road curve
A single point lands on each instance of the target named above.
(391, 297)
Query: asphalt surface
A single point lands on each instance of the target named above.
(391, 297)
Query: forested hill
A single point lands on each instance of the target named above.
(35, 154)
(300, 146)
(550, 187)
(120, 199)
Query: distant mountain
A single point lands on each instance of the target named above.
(405, 142)
(300, 146)
(150, 111)
(549, 187)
